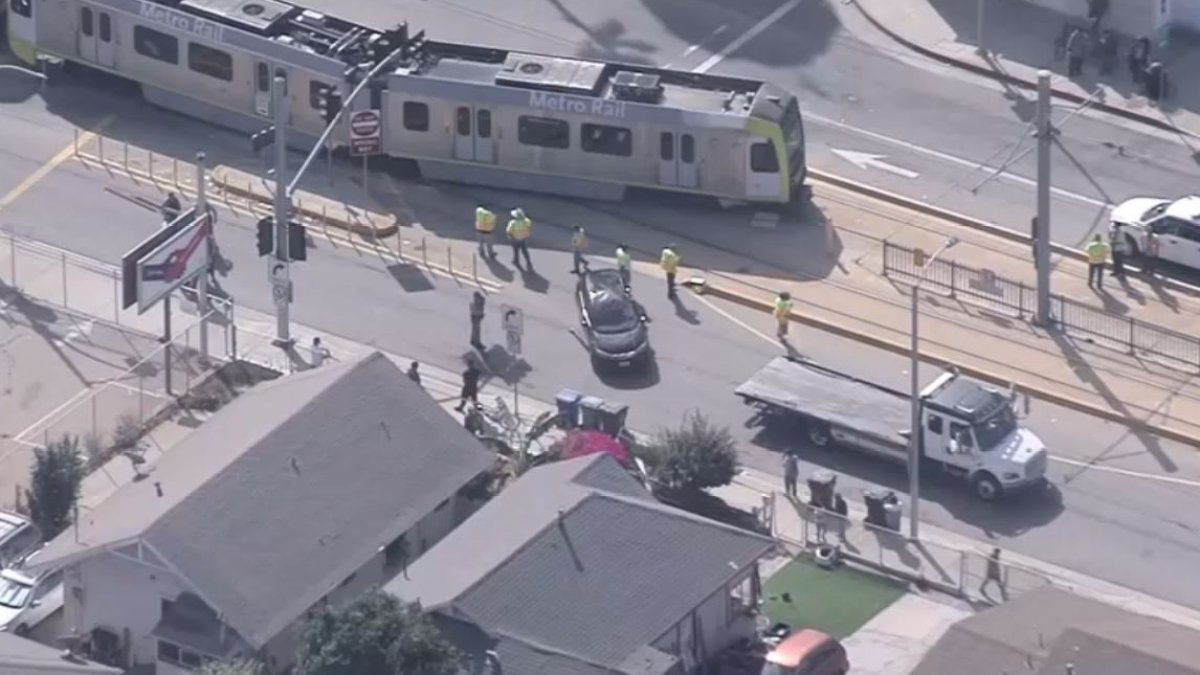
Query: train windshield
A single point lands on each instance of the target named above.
(793, 138)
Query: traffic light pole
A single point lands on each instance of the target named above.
(1045, 136)
(202, 282)
(282, 216)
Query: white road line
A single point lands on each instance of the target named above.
(692, 48)
(747, 36)
(937, 154)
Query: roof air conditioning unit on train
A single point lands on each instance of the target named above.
(640, 87)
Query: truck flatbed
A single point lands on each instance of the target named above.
(831, 397)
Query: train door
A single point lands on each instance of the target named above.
(762, 169)
(473, 134)
(106, 46)
(677, 159)
(87, 33)
(262, 88)
(22, 30)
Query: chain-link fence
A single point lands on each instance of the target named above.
(984, 288)
(60, 278)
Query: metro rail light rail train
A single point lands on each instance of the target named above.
(463, 113)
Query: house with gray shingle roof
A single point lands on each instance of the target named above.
(310, 488)
(575, 569)
(19, 656)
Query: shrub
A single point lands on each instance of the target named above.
(695, 456)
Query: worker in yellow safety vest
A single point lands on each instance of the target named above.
(579, 244)
(485, 228)
(670, 264)
(1097, 254)
(624, 264)
(783, 314)
(519, 229)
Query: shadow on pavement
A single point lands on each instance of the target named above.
(630, 378)
(411, 278)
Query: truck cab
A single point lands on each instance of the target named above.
(972, 430)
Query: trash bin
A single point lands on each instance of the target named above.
(612, 417)
(875, 499)
(567, 401)
(892, 514)
(821, 488)
(590, 412)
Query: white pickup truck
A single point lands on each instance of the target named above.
(968, 429)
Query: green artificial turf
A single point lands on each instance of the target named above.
(837, 602)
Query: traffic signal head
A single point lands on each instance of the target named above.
(266, 236)
(331, 105)
(297, 242)
(262, 139)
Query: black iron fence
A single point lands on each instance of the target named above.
(984, 288)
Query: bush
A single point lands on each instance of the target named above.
(235, 667)
(54, 485)
(696, 456)
(127, 432)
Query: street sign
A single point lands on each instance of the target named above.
(281, 285)
(177, 260)
(366, 136)
(513, 320)
(514, 344)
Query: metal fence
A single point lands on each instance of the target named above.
(984, 288)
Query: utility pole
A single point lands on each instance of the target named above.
(202, 282)
(980, 49)
(1045, 136)
(283, 209)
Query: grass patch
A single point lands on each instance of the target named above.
(837, 602)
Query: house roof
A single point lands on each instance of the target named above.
(19, 656)
(577, 561)
(288, 490)
(1029, 632)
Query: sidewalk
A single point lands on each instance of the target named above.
(1020, 38)
(984, 329)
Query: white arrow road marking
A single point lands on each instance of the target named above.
(80, 330)
(866, 160)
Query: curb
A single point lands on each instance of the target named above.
(365, 229)
(967, 221)
(934, 54)
(978, 373)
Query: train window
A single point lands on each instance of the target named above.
(543, 132)
(155, 45)
(208, 61)
(763, 159)
(687, 148)
(85, 22)
(483, 123)
(666, 146)
(462, 121)
(416, 116)
(105, 27)
(606, 140)
(262, 77)
(22, 7)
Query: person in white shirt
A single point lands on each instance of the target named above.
(318, 353)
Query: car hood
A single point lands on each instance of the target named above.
(7, 614)
(1130, 211)
(1020, 446)
(620, 343)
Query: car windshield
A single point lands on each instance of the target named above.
(993, 429)
(13, 593)
(614, 316)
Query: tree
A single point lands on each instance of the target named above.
(695, 456)
(375, 635)
(234, 667)
(54, 485)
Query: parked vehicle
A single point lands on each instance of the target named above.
(807, 652)
(26, 600)
(1177, 224)
(968, 430)
(614, 323)
(18, 537)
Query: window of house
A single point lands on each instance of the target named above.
(934, 424)
(155, 45)
(606, 140)
(208, 61)
(763, 159)
(416, 116)
(543, 132)
(167, 652)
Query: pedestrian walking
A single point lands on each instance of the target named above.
(625, 265)
(485, 231)
(470, 386)
(670, 265)
(842, 510)
(994, 575)
(477, 312)
(783, 314)
(1097, 254)
(1121, 248)
(791, 473)
(1077, 49)
(1139, 55)
(519, 229)
(413, 374)
(579, 244)
(1150, 254)
(171, 208)
(317, 353)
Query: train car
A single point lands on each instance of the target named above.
(461, 112)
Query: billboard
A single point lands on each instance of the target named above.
(129, 261)
(180, 257)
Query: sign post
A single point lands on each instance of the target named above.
(514, 328)
(366, 138)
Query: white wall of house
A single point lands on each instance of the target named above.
(719, 626)
(119, 593)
